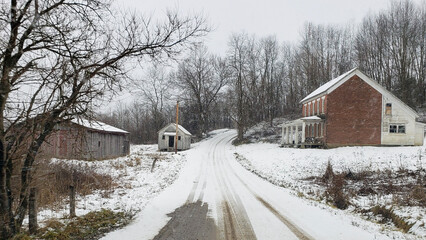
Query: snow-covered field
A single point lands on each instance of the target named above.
(136, 184)
(289, 167)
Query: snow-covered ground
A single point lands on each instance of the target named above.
(241, 201)
(136, 184)
(289, 167)
(139, 189)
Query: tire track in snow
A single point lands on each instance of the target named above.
(290, 225)
(191, 195)
(237, 224)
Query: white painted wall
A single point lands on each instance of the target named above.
(163, 144)
(399, 116)
(420, 134)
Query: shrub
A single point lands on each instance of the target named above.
(335, 191)
(418, 194)
(329, 174)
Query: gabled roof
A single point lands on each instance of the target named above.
(336, 82)
(97, 125)
(327, 85)
(174, 127)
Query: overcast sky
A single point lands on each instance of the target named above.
(282, 18)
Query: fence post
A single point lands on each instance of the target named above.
(32, 212)
(72, 201)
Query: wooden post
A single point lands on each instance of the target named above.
(72, 201)
(32, 212)
(177, 126)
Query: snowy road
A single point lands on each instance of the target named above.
(216, 198)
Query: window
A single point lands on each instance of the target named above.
(164, 137)
(318, 105)
(394, 128)
(388, 110)
(309, 109)
(178, 137)
(323, 100)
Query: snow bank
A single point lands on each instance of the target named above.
(288, 167)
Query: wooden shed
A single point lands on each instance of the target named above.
(166, 138)
(88, 140)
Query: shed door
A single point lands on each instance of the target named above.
(171, 141)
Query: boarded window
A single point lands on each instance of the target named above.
(397, 128)
(388, 110)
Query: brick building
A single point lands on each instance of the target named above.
(352, 109)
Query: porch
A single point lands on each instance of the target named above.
(306, 132)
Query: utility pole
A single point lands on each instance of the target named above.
(177, 126)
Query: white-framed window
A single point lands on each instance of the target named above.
(323, 100)
(396, 128)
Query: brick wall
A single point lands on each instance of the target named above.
(354, 113)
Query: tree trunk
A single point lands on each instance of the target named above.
(5, 231)
(32, 212)
(72, 200)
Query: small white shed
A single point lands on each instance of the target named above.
(166, 138)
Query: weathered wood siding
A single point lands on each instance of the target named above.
(76, 142)
(103, 145)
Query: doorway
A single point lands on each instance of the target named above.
(171, 141)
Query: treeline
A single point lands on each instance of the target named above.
(259, 78)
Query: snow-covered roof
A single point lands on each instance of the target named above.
(184, 130)
(170, 133)
(335, 83)
(311, 118)
(328, 85)
(180, 128)
(97, 125)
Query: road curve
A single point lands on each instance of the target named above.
(216, 198)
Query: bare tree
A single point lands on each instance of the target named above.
(156, 91)
(56, 57)
(237, 60)
(201, 77)
(390, 47)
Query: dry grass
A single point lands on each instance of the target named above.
(388, 215)
(53, 182)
